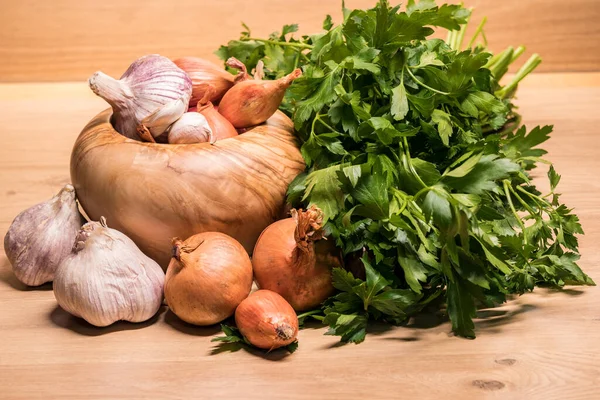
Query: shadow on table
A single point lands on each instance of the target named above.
(571, 291)
(63, 319)
(8, 277)
(174, 322)
(489, 320)
(274, 355)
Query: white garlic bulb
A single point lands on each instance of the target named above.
(106, 278)
(41, 236)
(151, 95)
(192, 127)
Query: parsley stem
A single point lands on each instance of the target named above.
(408, 165)
(309, 313)
(279, 43)
(461, 32)
(477, 32)
(527, 207)
(424, 85)
(525, 70)
(517, 53)
(533, 196)
(496, 58)
(500, 67)
(420, 192)
(318, 117)
(514, 211)
(485, 41)
(403, 197)
(450, 37)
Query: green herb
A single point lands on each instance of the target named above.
(235, 337)
(416, 155)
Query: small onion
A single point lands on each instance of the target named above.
(251, 102)
(291, 258)
(203, 72)
(220, 126)
(209, 275)
(266, 320)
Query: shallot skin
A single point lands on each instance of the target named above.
(252, 102)
(294, 264)
(266, 320)
(220, 126)
(203, 72)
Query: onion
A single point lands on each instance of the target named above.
(291, 259)
(266, 320)
(209, 275)
(251, 102)
(221, 128)
(203, 72)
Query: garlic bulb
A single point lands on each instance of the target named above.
(151, 95)
(106, 278)
(41, 236)
(192, 127)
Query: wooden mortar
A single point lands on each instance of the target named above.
(154, 192)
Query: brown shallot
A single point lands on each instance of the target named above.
(266, 320)
(209, 275)
(292, 258)
(251, 102)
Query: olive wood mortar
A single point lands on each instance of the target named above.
(153, 192)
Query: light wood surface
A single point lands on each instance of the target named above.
(544, 345)
(63, 40)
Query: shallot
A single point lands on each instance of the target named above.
(251, 102)
(266, 320)
(209, 275)
(292, 258)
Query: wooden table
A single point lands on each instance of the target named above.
(544, 345)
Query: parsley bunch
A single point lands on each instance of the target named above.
(415, 153)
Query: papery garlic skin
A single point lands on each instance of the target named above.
(42, 236)
(106, 278)
(153, 92)
(192, 127)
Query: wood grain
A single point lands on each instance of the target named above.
(235, 186)
(70, 39)
(543, 345)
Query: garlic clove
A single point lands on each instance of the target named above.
(41, 236)
(106, 278)
(161, 119)
(192, 127)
